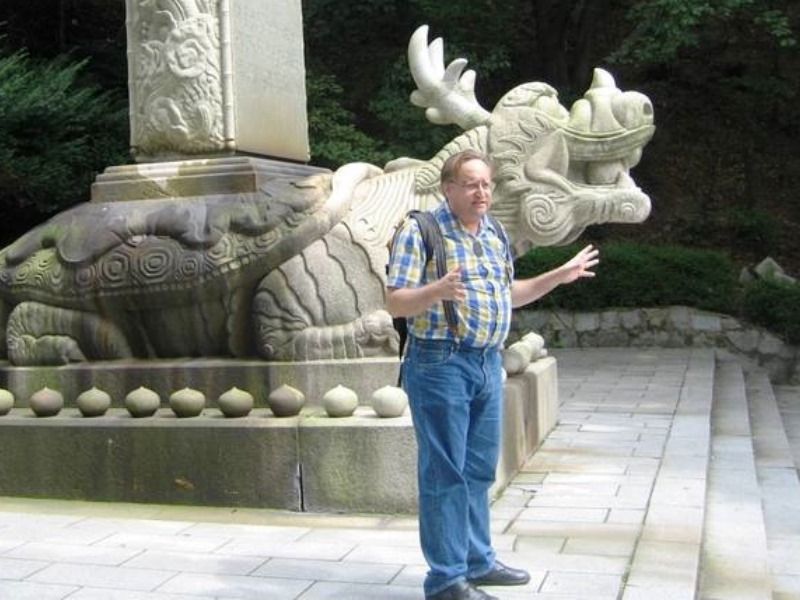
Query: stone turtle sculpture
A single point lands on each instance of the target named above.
(295, 271)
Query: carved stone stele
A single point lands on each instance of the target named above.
(198, 88)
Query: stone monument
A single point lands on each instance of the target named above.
(219, 261)
(244, 257)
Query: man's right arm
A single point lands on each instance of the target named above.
(407, 295)
(409, 302)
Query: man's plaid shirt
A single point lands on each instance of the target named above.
(486, 270)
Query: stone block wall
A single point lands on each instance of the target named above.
(670, 327)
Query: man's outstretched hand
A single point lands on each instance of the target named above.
(581, 264)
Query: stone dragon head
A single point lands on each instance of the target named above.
(556, 170)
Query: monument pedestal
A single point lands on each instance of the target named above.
(194, 178)
(309, 462)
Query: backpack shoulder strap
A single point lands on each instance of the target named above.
(501, 232)
(433, 241)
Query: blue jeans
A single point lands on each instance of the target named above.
(455, 395)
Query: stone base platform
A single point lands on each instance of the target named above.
(310, 462)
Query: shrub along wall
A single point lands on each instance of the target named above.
(666, 296)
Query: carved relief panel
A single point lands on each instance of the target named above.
(202, 78)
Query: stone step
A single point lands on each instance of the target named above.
(780, 487)
(734, 559)
(665, 563)
(788, 397)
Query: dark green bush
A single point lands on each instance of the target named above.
(640, 275)
(774, 305)
(56, 133)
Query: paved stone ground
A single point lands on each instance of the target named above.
(611, 507)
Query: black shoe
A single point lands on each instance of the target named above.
(502, 575)
(461, 591)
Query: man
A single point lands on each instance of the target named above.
(454, 378)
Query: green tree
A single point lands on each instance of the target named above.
(55, 135)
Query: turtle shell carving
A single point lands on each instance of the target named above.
(152, 252)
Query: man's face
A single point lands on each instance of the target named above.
(470, 193)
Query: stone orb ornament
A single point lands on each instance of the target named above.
(187, 402)
(340, 402)
(93, 402)
(235, 403)
(46, 402)
(6, 402)
(286, 401)
(389, 401)
(142, 402)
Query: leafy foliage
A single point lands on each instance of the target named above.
(642, 275)
(632, 275)
(56, 134)
(664, 27)
(774, 305)
(331, 126)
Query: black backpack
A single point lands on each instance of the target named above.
(433, 242)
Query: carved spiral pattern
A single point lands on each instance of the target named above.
(115, 268)
(85, 277)
(630, 212)
(154, 265)
(22, 273)
(54, 276)
(541, 212)
(189, 267)
(222, 251)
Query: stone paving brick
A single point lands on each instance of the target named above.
(386, 555)
(683, 467)
(626, 515)
(408, 539)
(25, 590)
(580, 478)
(578, 489)
(92, 555)
(44, 522)
(588, 515)
(234, 586)
(190, 562)
(342, 571)
(13, 568)
(603, 547)
(411, 575)
(674, 524)
(675, 491)
(6, 544)
(105, 594)
(596, 501)
(569, 529)
(355, 591)
(138, 526)
(663, 570)
(233, 530)
(576, 563)
(179, 543)
(787, 587)
(285, 549)
(585, 584)
(121, 578)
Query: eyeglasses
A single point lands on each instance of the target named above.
(477, 249)
(473, 187)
